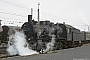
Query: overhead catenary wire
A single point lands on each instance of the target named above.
(13, 14)
(18, 19)
(36, 11)
(29, 9)
(13, 4)
(12, 18)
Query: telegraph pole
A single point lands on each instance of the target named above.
(38, 22)
(31, 11)
(38, 12)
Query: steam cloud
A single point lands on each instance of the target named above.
(50, 45)
(17, 44)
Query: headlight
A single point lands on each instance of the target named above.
(28, 38)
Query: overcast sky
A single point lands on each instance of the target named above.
(73, 12)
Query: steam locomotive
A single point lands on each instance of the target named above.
(38, 34)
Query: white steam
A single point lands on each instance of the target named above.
(50, 45)
(19, 45)
(11, 47)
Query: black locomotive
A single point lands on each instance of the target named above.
(40, 33)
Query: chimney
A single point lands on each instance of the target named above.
(29, 18)
(64, 23)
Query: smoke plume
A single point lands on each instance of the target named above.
(19, 45)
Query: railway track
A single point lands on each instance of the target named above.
(4, 55)
(78, 53)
